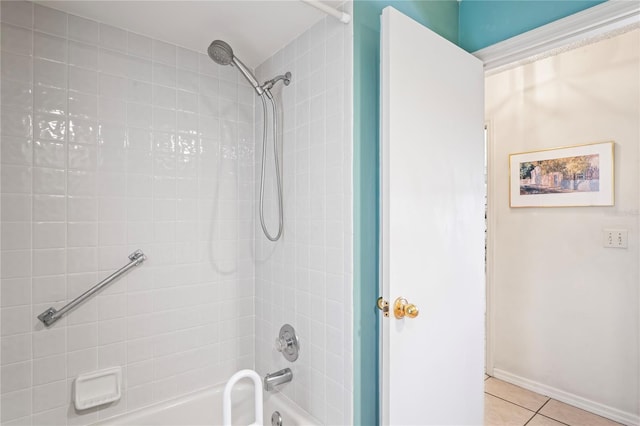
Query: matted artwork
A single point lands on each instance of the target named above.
(563, 177)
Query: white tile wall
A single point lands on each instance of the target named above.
(112, 141)
(305, 279)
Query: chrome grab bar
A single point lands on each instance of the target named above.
(52, 315)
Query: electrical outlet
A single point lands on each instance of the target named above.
(614, 238)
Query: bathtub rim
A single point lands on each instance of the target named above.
(271, 397)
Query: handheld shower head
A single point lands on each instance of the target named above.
(222, 54)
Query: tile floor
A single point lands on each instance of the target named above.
(509, 405)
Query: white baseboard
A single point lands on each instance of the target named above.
(614, 414)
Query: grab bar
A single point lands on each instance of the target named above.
(52, 315)
(257, 396)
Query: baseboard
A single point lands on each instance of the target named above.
(614, 414)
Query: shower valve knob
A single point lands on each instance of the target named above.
(282, 344)
(287, 343)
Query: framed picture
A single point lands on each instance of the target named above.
(562, 177)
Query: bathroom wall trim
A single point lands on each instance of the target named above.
(597, 22)
(491, 225)
(620, 416)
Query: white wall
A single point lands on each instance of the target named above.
(112, 141)
(305, 279)
(565, 309)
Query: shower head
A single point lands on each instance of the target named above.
(222, 54)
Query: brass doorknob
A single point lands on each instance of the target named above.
(402, 308)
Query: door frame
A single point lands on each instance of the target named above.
(585, 27)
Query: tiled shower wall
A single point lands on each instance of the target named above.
(113, 142)
(305, 279)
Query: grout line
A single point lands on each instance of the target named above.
(531, 418)
(542, 406)
(551, 418)
(32, 208)
(533, 414)
(536, 413)
(516, 404)
(555, 420)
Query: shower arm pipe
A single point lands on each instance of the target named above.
(343, 17)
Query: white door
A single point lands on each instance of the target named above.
(432, 183)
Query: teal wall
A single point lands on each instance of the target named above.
(484, 22)
(472, 24)
(441, 17)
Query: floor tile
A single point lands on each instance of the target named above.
(498, 412)
(512, 393)
(573, 416)
(539, 420)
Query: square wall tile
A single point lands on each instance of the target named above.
(15, 292)
(17, 93)
(83, 55)
(50, 73)
(15, 320)
(16, 377)
(49, 289)
(49, 369)
(138, 45)
(15, 404)
(83, 80)
(16, 67)
(49, 20)
(84, 30)
(113, 38)
(16, 264)
(17, 13)
(50, 47)
(17, 40)
(49, 396)
(164, 53)
(15, 235)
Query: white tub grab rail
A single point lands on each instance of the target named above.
(257, 393)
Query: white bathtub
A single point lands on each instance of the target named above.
(205, 408)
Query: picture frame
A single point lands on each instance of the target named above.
(573, 176)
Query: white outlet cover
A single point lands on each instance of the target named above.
(615, 238)
(97, 388)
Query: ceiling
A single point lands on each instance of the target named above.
(255, 29)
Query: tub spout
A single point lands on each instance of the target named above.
(279, 377)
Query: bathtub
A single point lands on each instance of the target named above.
(205, 408)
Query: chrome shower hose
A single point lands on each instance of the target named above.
(277, 166)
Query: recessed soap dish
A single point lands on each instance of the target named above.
(97, 388)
